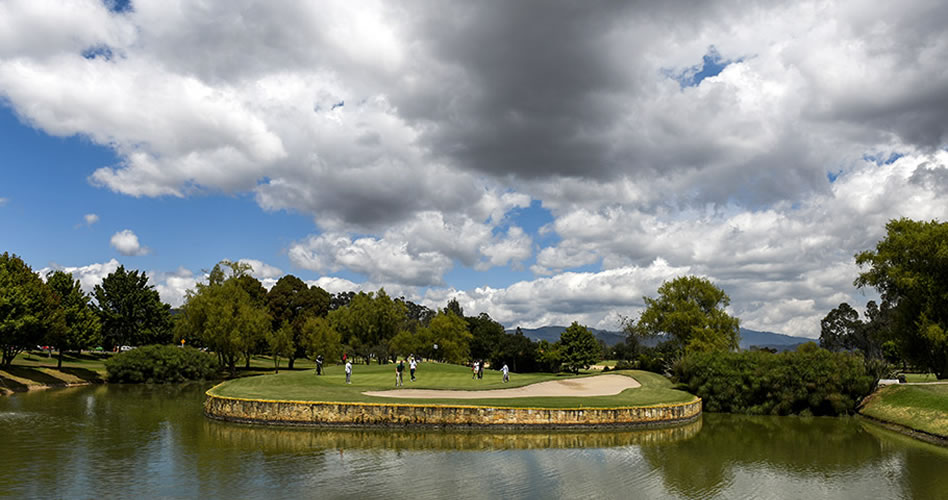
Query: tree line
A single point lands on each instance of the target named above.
(233, 315)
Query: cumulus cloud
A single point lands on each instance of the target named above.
(411, 133)
(262, 270)
(126, 243)
(592, 298)
(90, 219)
(89, 276)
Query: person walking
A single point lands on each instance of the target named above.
(398, 373)
(474, 375)
(506, 373)
(411, 367)
(348, 372)
(319, 364)
(480, 370)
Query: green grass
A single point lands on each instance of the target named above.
(920, 377)
(920, 407)
(305, 386)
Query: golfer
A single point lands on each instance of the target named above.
(348, 372)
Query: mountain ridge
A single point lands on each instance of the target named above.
(779, 341)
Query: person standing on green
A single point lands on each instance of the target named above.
(348, 371)
(398, 373)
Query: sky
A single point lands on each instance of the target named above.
(541, 161)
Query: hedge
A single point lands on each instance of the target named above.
(161, 364)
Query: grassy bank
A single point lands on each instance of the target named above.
(305, 386)
(37, 370)
(917, 407)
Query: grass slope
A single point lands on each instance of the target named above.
(919, 407)
(305, 386)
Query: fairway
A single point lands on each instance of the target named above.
(331, 387)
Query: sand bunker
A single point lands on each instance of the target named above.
(600, 385)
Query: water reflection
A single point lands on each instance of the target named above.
(154, 442)
(284, 439)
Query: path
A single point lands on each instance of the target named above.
(600, 385)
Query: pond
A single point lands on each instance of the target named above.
(153, 441)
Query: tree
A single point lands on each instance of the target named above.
(80, 328)
(689, 312)
(516, 350)
(224, 317)
(321, 339)
(838, 328)
(842, 329)
(578, 348)
(280, 343)
(487, 336)
(369, 322)
(291, 301)
(909, 268)
(28, 308)
(130, 311)
(449, 331)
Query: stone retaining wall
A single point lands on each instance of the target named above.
(399, 414)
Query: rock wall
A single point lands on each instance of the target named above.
(399, 414)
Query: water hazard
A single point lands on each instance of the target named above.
(128, 441)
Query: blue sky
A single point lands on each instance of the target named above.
(542, 169)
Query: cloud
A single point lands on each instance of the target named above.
(262, 270)
(456, 114)
(380, 260)
(89, 276)
(3, 201)
(90, 219)
(126, 243)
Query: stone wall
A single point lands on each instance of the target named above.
(399, 414)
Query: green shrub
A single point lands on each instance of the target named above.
(807, 382)
(161, 364)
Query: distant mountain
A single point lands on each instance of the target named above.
(749, 338)
(771, 340)
(552, 334)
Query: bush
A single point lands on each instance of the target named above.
(161, 364)
(808, 382)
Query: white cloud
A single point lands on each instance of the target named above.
(89, 276)
(126, 243)
(410, 135)
(379, 259)
(3, 201)
(262, 270)
(90, 219)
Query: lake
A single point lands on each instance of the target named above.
(153, 441)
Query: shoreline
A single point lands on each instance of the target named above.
(444, 416)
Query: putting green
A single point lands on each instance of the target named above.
(367, 381)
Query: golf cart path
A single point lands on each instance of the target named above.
(600, 385)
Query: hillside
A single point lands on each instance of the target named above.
(749, 338)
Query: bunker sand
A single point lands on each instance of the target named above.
(600, 385)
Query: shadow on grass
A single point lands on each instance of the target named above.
(35, 375)
(10, 384)
(85, 374)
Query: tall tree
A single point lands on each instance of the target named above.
(578, 348)
(130, 310)
(291, 301)
(838, 329)
(28, 308)
(909, 268)
(449, 331)
(321, 339)
(224, 317)
(689, 311)
(486, 336)
(80, 328)
(369, 322)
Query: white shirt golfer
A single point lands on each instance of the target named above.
(348, 371)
